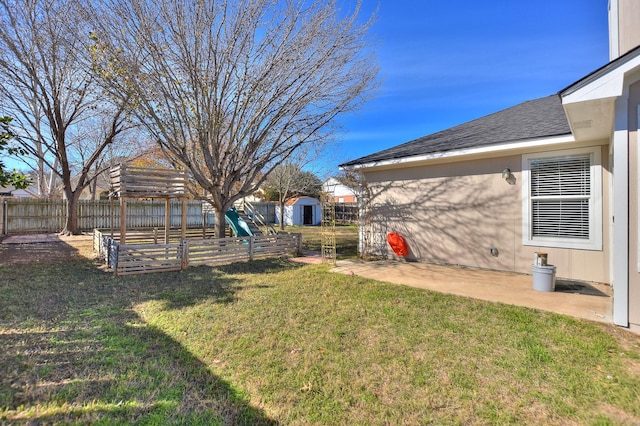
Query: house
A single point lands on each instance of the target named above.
(98, 188)
(256, 197)
(559, 175)
(10, 191)
(341, 193)
(301, 211)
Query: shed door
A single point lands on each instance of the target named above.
(307, 215)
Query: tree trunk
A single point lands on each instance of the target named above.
(71, 220)
(221, 223)
(282, 215)
(93, 188)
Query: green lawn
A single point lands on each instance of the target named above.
(273, 342)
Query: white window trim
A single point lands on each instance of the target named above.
(595, 203)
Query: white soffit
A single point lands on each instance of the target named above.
(591, 120)
(590, 107)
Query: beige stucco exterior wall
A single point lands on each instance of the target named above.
(628, 28)
(634, 275)
(455, 213)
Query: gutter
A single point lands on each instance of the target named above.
(462, 153)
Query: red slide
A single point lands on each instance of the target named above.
(398, 244)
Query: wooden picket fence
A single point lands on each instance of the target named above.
(128, 259)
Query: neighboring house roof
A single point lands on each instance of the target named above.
(10, 191)
(294, 200)
(535, 119)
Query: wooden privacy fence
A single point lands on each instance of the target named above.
(41, 215)
(262, 212)
(127, 259)
(347, 212)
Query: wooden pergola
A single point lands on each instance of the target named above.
(130, 182)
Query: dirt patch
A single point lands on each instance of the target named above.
(43, 252)
(629, 344)
(21, 254)
(617, 415)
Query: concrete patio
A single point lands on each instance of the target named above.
(589, 301)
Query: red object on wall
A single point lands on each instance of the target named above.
(397, 243)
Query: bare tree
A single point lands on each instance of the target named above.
(352, 179)
(288, 181)
(230, 89)
(62, 118)
(356, 181)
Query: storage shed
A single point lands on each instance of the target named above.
(301, 211)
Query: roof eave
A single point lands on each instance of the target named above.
(589, 103)
(464, 154)
(596, 75)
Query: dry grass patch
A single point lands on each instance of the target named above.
(346, 238)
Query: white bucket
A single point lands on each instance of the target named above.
(544, 277)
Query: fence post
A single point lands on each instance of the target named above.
(114, 248)
(204, 222)
(123, 220)
(2, 216)
(184, 253)
(299, 235)
(112, 213)
(251, 247)
(167, 220)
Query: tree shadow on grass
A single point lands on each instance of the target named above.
(117, 369)
(262, 266)
(74, 350)
(215, 284)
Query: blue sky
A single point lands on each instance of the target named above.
(447, 62)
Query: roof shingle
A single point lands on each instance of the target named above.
(533, 119)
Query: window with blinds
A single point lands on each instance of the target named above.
(562, 194)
